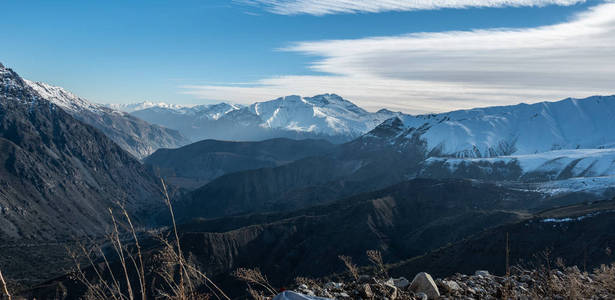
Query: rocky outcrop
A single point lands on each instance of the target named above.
(559, 283)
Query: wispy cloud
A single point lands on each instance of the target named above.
(430, 72)
(324, 7)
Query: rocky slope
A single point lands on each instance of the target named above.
(57, 178)
(134, 135)
(579, 234)
(402, 221)
(557, 283)
(442, 226)
(196, 164)
(388, 154)
(351, 169)
(558, 253)
(405, 220)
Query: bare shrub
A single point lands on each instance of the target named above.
(178, 276)
(352, 268)
(255, 277)
(375, 257)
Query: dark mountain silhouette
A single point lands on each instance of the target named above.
(198, 163)
(365, 164)
(579, 234)
(58, 177)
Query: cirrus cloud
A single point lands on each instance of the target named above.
(434, 72)
(325, 7)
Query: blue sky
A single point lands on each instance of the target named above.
(206, 51)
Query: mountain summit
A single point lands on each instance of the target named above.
(326, 116)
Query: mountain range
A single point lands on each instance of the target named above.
(329, 179)
(481, 132)
(409, 147)
(134, 135)
(326, 116)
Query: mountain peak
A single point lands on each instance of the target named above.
(11, 84)
(61, 97)
(390, 128)
(132, 107)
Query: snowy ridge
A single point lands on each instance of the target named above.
(324, 115)
(132, 134)
(577, 163)
(211, 111)
(11, 83)
(143, 105)
(63, 98)
(520, 129)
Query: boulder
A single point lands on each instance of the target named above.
(288, 295)
(482, 273)
(451, 286)
(399, 283)
(334, 285)
(423, 283)
(422, 296)
(366, 291)
(391, 291)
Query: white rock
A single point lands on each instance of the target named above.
(423, 283)
(334, 285)
(400, 282)
(451, 285)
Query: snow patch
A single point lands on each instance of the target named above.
(576, 219)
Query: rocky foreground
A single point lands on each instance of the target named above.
(563, 283)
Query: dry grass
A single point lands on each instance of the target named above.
(4, 287)
(352, 268)
(605, 276)
(179, 279)
(375, 257)
(258, 284)
(554, 278)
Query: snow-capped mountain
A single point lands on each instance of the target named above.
(512, 130)
(141, 105)
(324, 116)
(553, 147)
(132, 134)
